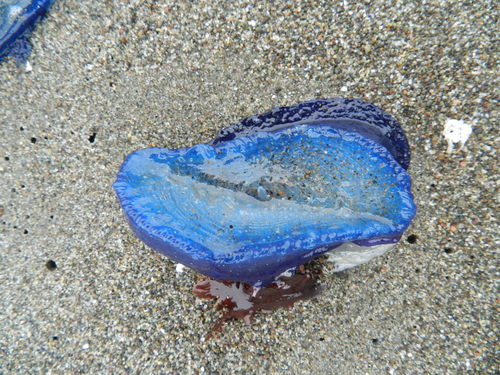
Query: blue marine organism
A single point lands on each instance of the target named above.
(261, 200)
(17, 20)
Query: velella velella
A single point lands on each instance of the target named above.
(273, 191)
(17, 19)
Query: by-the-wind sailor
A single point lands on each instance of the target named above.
(256, 203)
(17, 18)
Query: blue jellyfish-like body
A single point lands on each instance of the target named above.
(249, 207)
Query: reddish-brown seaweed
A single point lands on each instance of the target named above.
(241, 301)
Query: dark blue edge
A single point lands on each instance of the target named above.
(24, 25)
(359, 116)
(251, 270)
(260, 271)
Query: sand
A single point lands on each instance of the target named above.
(81, 295)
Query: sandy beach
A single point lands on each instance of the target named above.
(82, 295)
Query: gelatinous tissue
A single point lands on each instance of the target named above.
(275, 190)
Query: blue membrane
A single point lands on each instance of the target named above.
(249, 208)
(17, 19)
(340, 113)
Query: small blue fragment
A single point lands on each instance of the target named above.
(17, 19)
